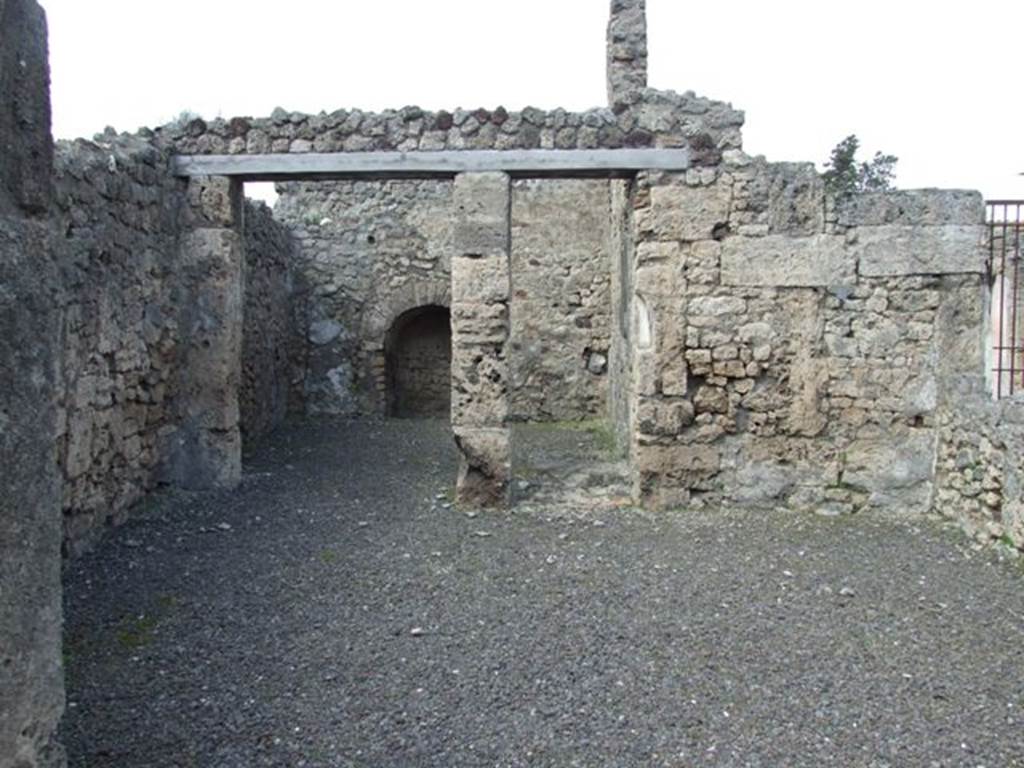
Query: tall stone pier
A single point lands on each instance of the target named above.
(206, 446)
(627, 53)
(31, 687)
(481, 287)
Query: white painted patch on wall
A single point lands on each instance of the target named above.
(643, 325)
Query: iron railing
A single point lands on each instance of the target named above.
(1005, 227)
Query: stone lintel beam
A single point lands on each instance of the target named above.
(519, 163)
(481, 287)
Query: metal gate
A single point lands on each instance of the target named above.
(1005, 224)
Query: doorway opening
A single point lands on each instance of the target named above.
(418, 352)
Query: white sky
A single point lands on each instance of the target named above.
(936, 84)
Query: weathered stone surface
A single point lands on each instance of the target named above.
(627, 52)
(485, 467)
(680, 212)
(204, 451)
(919, 250)
(896, 471)
(25, 143)
(777, 260)
(482, 209)
(916, 207)
(30, 521)
(31, 685)
(560, 310)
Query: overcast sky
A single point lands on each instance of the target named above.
(934, 83)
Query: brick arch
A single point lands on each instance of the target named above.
(378, 319)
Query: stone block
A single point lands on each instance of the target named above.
(482, 280)
(894, 470)
(893, 250)
(215, 201)
(685, 213)
(485, 467)
(480, 387)
(782, 261)
(481, 210)
(912, 207)
(664, 474)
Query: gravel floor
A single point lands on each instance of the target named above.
(336, 612)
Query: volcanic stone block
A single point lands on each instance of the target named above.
(915, 250)
(782, 261)
(485, 466)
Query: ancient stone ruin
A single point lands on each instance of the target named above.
(751, 339)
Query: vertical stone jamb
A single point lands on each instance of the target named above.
(206, 451)
(31, 684)
(481, 286)
(627, 53)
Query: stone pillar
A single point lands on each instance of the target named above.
(31, 685)
(206, 446)
(627, 53)
(481, 287)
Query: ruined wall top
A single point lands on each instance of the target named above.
(627, 53)
(637, 116)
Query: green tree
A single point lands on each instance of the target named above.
(844, 176)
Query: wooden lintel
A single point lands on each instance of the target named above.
(520, 163)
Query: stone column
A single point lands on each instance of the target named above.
(480, 331)
(31, 684)
(627, 53)
(206, 449)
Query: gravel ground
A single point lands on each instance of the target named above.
(335, 611)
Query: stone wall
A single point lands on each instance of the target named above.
(370, 251)
(789, 351)
(367, 252)
(980, 467)
(657, 119)
(560, 309)
(119, 214)
(31, 685)
(271, 359)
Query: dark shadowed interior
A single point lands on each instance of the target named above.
(419, 359)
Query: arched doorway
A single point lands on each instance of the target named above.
(418, 351)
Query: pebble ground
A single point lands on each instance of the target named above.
(336, 611)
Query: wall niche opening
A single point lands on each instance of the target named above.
(418, 352)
